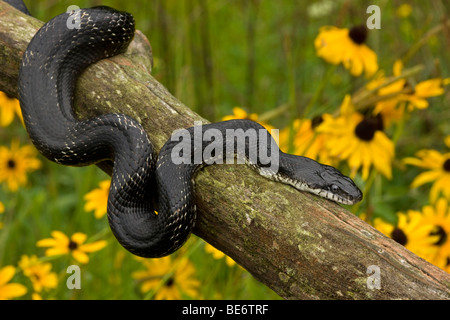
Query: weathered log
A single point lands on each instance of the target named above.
(301, 246)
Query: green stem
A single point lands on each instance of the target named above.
(8, 217)
(106, 231)
(400, 126)
(424, 40)
(319, 91)
(274, 113)
(366, 191)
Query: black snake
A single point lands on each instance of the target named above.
(50, 66)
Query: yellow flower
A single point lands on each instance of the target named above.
(411, 231)
(393, 106)
(239, 113)
(307, 142)
(439, 173)
(10, 290)
(8, 107)
(61, 244)
(170, 279)
(422, 91)
(358, 140)
(404, 10)
(97, 199)
(36, 296)
(217, 254)
(438, 216)
(15, 163)
(396, 86)
(346, 46)
(38, 272)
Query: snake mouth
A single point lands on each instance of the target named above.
(348, 200)
(345, 199)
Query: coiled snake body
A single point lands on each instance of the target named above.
(50, 66)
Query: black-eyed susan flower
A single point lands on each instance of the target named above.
(97, 199)
(15, 163)
(359, 140)
(39, 273)
(217, 254)
(401, 96)
(306, 141)
(439, 171)
(438, 215)
(10, 290)
(169, 279)
(9, 107)
(239, 113)
(61, 244)
(347, 46)
(411, 231)
(418, 95)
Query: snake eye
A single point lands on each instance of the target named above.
(334, 188)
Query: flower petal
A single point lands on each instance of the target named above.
(94, 246)
(80, 256)
(6, 274)
(48, 242)
(425, 177)
(79, 237)
(56, 251)
(12, 290)
(429, 88)
(59, 236)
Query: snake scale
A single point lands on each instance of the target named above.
(50, 66)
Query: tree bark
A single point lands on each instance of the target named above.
(301, 246)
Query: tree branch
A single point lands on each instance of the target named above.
(301, 246)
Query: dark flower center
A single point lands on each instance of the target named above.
(170, 282)
(408, 87)
(73, 245)
(316, 121)
(399, 236)
(11, 164)
(358, 34)
(446, 165)
(9, 96)
(440, 232)
(365, 130)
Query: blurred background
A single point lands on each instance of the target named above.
(255, 59)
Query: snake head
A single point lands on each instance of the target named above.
(308, 175)
(337, 187)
